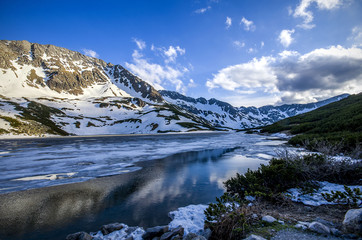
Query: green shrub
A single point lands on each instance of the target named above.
(352, 197)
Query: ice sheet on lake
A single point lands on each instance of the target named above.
(42, 162)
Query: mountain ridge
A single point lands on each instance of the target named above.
(223, 114)
(45, 89)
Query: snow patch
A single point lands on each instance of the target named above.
(191, 218)
(316, 198)
(125, 233)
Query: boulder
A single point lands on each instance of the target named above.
(268, 219)
(107, 229)
(154, 232)
(319, 228)
(79, 236)
(352, 222)
(206, 233)
(173, 233)
(254, 237)
(193, 236)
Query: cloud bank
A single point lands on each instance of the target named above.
(294, 77)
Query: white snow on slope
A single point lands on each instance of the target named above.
(316, 198)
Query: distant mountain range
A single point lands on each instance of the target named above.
(46, 89)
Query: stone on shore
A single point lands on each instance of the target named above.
(107, 229)
(319, 228)
(154, 232)
(179, 231)
(254, 237)
(352, 222)
(268, 219)
(79, 236)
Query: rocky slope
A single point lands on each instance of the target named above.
(222, 114)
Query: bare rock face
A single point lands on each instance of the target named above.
(123, 76)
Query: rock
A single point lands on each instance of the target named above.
(130, 230)
(206, 233)
(193, 236)
(169, 235)
(319, 228)
(107, 229)
(336, 232)
(268, 219)
(79, 236)
(325, 222)
(154, 232)
(352, 222)
(350, 236)
(254, 237)
(281, 222)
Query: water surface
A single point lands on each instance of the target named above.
(136, 180)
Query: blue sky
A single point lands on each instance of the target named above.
(245, 52)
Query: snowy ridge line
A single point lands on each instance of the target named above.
(222, 114)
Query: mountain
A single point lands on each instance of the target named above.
(338, 124)
(222, 114)
(46, 89)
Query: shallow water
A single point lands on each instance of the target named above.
(185, 169)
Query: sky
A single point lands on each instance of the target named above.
(244, 52)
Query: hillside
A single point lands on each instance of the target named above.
(339, 123)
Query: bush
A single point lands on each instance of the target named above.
(352, 197)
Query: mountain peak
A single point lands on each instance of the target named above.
(34, 70)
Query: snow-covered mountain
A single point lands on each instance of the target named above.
(222, 114)
(46, 89)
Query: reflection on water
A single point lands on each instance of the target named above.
(186, 169)
(139, 198)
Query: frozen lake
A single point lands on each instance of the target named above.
(135, 180)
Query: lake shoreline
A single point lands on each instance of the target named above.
(16, 137)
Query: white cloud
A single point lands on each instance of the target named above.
(285, 37)
(239, 44)
(169, 54)
(202, 10)
(172, 52)
(262, 44)
(252, 50)
(159, 76)
(356, 36)
(228, 22)
(303, 12)
(191, 84)
(140, 44)
(293, 77)
(246, 76)
(90, 53)
(248, 25)
(290, 10)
